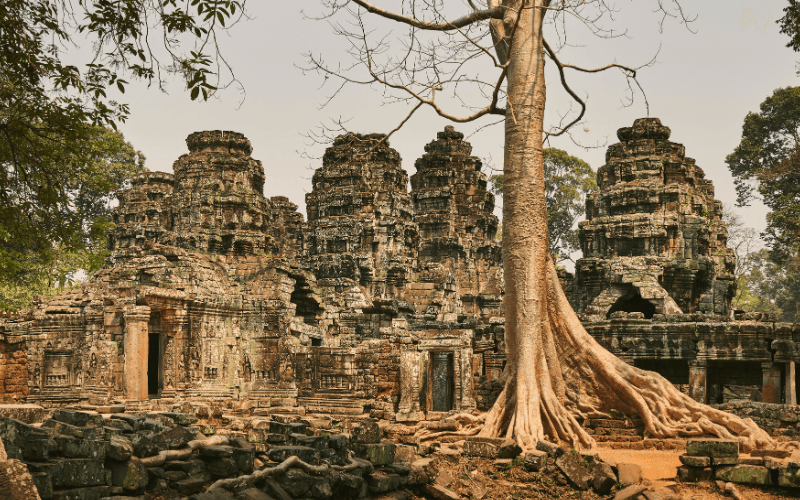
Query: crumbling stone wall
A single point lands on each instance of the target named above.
(13, 372)
(653, 240)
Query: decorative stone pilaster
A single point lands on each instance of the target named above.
(697, 380)
(136, 350)
(771, 390)
(790, 388)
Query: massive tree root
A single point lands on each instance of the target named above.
(559, 374)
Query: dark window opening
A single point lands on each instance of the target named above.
(441, 381)
(315, 342)
(633, 302)
(302, 297)
(730, 381)
(154, 364)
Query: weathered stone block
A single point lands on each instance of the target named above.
(629, 473)
(281, 453)
(367, 432)
(72, 472)
(130, 475)
(744, 474)
(222, 467)
(715, 448)
(535, 460)
(603, 477)
(481, 447)
(377, 454)
(693, 461)
(16, 482)
(695, 474)
(573, 467)
(78, 418)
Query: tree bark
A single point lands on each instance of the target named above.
(556, 373)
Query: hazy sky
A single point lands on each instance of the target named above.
(702, 86)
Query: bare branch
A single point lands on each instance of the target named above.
(473, 17)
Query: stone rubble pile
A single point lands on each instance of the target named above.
(83, 456)
(719, 459)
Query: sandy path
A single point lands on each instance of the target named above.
(660, 467)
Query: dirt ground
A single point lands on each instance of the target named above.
(482, 479)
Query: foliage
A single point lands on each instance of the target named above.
(54, 216)
(567, 181)
(48, 94)
(768, 160)
(769, 287)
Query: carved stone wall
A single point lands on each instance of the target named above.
(653, 240)
(213, 292)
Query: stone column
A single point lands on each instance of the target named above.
(771, 390)
(136, 351)
(697, 380)
(791, 390)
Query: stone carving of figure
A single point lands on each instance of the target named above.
(36, 375)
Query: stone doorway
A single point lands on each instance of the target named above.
(155, 356)
(440, 388)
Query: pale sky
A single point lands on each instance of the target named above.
(702, 87)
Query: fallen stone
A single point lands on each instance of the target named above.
(130, 475)
(252, 494)
(367, 432)
(692, 461)
(377, 453)
(71, 447)
(43, 485)
(404, 453)
(25, 413)
(771, 453)
(272, 488)
(16, 482)
(508, 449)
(440, 492)
(603, 478)
(191, 467)
(714, 448)
(694, 474)
(133, 421)
(87, 493)
(794, 459)
(630, 492)
(629, 473)
(380, 482)
(216, 494)
(298, 484)
(177, 437)
(281, 453)
(720, 461)
(286, 428)
(78, 418)
(535, 460)
(744, 474)
(221, 467)
(551, 449)
(660, 494)
(192, 484)
(751, 460)
(572, 466)
(184, 419)
(72, 472)
(481, 447)
(119, 448)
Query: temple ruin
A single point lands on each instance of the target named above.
(384, 301)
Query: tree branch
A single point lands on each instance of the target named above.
(473, 17)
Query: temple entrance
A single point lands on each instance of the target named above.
(633, 302)
(155, 356)
(441, 382)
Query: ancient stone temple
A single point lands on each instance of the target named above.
(656, 281)
(214, 292)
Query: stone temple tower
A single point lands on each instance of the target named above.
(360, 222)
(653, 241)
(454, 212)
(220, 207)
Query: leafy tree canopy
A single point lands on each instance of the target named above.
(567, 180)
(48, 94)
(767, 161)
(54, 219)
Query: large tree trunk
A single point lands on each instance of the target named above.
(556, 372)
